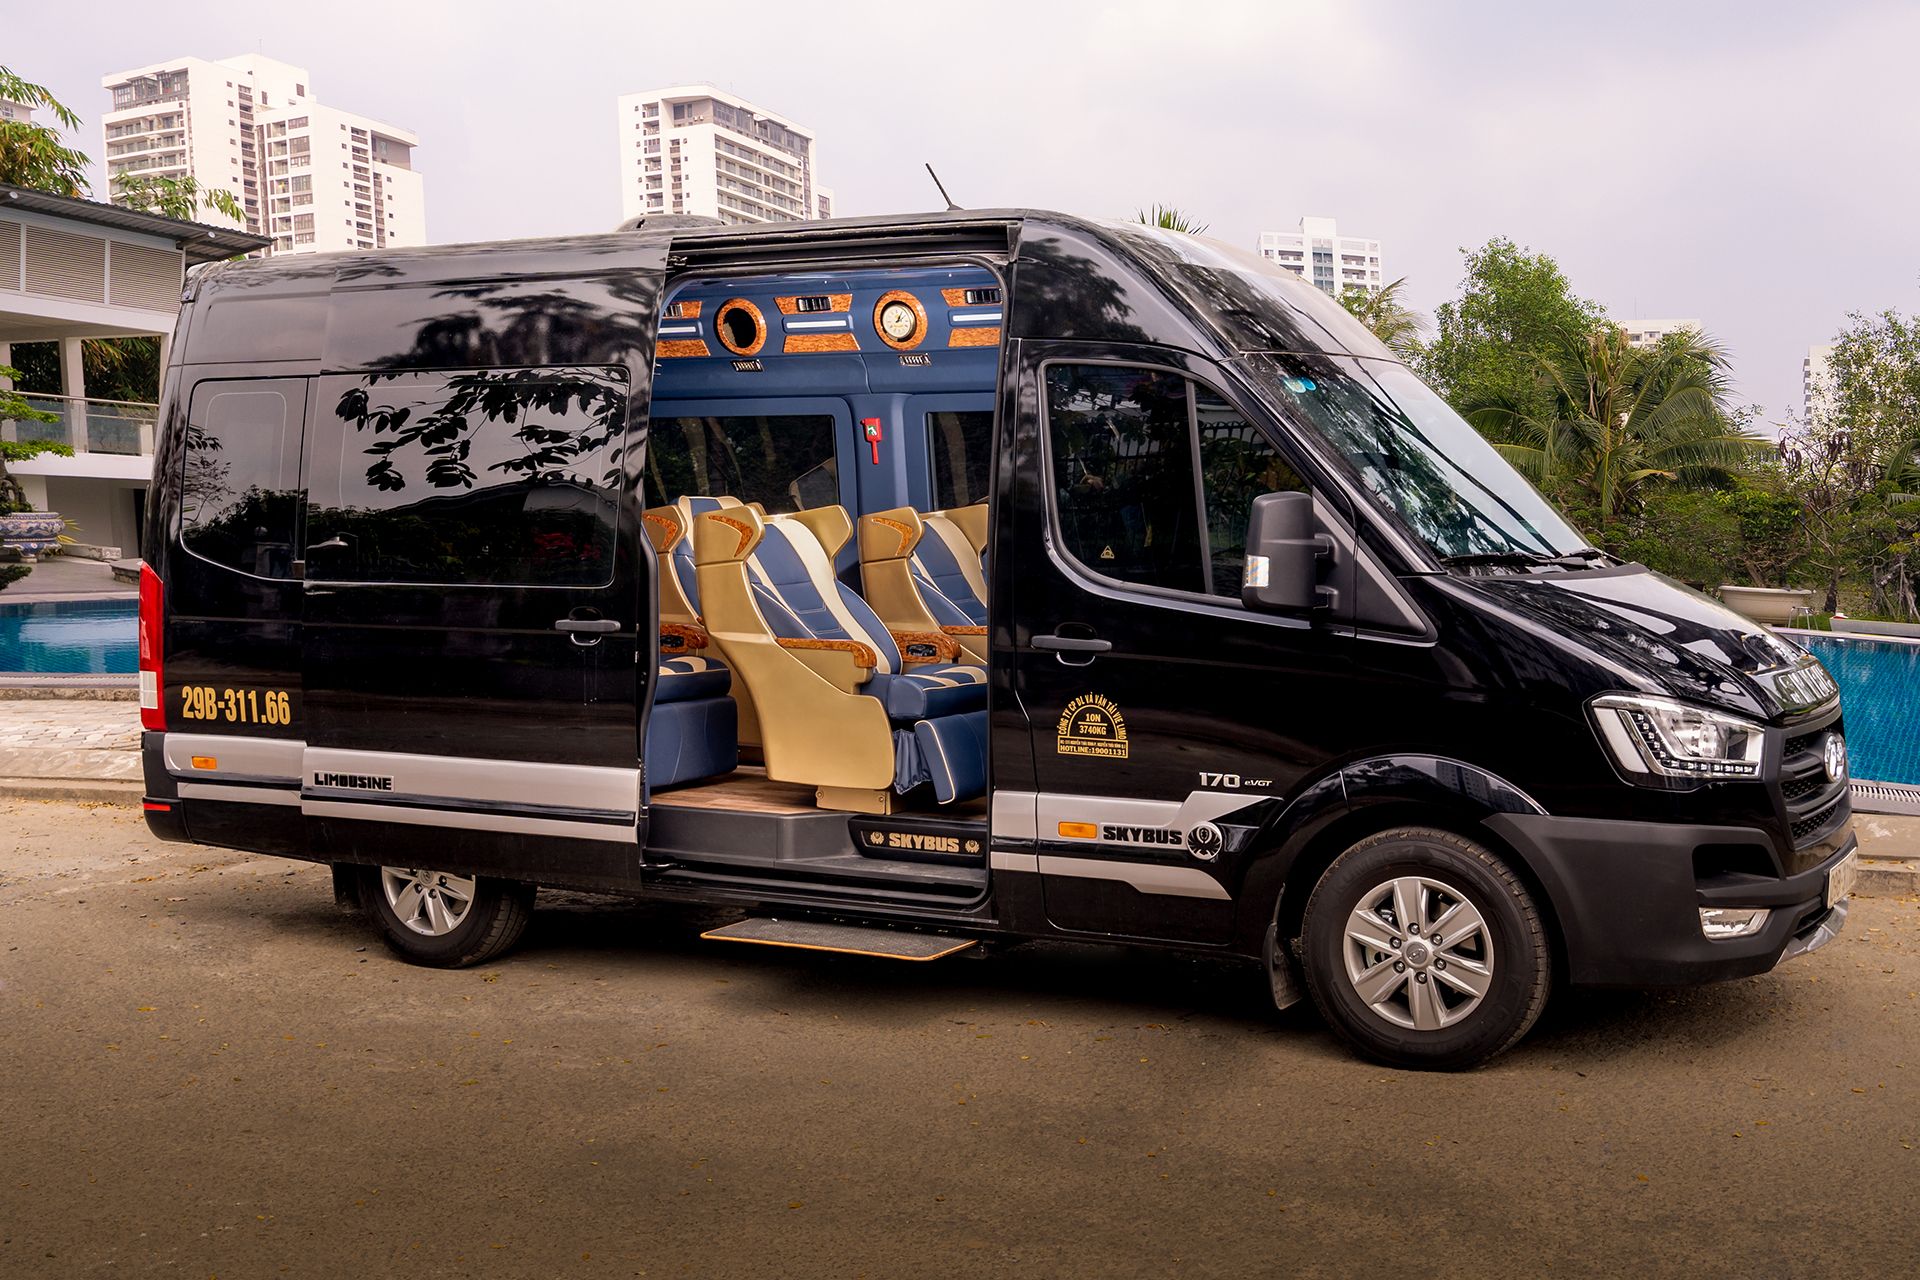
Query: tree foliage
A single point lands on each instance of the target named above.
(14, 408)
(32, 155)
(1387, 317)
(182, 198)
(1171, 219)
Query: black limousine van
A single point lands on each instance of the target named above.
(920, 581)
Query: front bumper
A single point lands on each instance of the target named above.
(1627, 902)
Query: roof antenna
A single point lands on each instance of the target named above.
(951, 206)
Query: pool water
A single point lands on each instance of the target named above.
(70, 637)
(1879, 695)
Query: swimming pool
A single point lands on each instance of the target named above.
(1879, 694)
(70, 637)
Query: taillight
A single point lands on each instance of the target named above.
(153, 714)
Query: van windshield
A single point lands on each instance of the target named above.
(1419, 458)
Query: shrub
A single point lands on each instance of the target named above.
(12, 573)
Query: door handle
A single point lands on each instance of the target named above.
(335, 543)
(602, 625)
(1082, 648)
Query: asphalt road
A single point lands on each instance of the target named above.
(207, 1070)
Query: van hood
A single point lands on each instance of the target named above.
(1684, 643)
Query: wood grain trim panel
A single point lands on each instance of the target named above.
(790, 305)
(965, 631)
(740, 527)
(945, 648)
(954, 297)
(759, 326)
(863, 655)
(680, 348)
(982, 336)
(689, 636)
(686, 310)
(900, 527)
(808, 343)
(662, 531)
(919, 334)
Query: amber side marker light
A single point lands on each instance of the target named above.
(206, 762)
(1080, 830)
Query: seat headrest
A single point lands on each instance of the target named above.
(726, 535)
(890, 535)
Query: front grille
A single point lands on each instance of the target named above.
(1806, 829)
(1791, 791)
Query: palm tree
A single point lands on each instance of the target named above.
(31, 154)
(1624, 418)
(1386, 317)
(1170, 219)
(174, 197)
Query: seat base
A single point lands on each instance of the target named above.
(856, 799)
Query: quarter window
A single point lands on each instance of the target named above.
(493, 476)
(240, 474)
(1131, 502)
(960, 443)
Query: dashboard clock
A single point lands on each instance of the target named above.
(900, 319)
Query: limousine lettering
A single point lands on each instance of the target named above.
(354, 781)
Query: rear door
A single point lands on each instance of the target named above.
(478, 595)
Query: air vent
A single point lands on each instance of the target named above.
(983, 297)
(818, 302)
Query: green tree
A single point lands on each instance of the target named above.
(14, 408)
(1171, 219)
(181, 198)
(31, 155)
(1514, 308)
(1387, 317)
(1603, 420)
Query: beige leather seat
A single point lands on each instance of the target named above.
(924, 572)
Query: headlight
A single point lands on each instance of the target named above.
(1649, 736)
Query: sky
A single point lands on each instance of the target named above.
(1749, 164)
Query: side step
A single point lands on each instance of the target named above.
(849, 939)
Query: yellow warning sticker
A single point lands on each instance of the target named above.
(1092, 726)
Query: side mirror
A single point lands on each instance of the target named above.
(1283, 554)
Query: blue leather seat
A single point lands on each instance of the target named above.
(948, 572)
(938, 709)
(694, 729)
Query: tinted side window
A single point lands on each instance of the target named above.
(784, 461)
(1122, 454)
(1237, 465)
(960, 442)
(240, 474)
(494, 476)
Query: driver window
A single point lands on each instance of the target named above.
(1127, 488)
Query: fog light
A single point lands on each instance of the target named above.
(1733, 922)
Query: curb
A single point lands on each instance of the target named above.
(124, 792)
(1888, 878)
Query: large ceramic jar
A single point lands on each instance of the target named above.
(32, 532)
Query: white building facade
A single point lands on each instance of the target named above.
(692, 149)
(1324, 258)
(1651, 333)
(311, 178)
(1816, 381)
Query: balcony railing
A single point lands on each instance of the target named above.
(90, 426)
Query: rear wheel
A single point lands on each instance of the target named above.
(445, 920)
(1423, 949)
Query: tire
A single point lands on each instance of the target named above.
(1445, 1007)
(420, 917)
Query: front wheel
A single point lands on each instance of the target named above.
(1423, 949)
(444, 920)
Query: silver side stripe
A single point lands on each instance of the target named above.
(1054, 808)
(1147, 877)
(232, 757)
(464, 821)
(241, 795)
(1013, 817)
(1013, 862)
(378, 774)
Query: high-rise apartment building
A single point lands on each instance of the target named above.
(313, 178)
(694, 149)
(1650, 333)
(15, 112)
(1329, 261)
(1816, 380)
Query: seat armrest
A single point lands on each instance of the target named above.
(925, 646)
(964, 631)
(845, 664)
(682, 637)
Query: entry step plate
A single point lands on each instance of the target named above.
(849, 939)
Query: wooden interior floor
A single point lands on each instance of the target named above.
(748, 789)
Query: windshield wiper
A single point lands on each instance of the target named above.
(1581, 558)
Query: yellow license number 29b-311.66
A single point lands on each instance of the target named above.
(235, 706)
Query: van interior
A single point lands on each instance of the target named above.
(817, 478)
